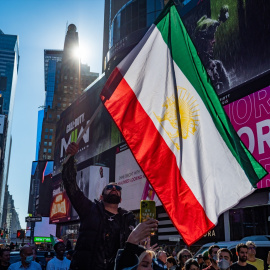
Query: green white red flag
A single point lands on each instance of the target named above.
(162, 100)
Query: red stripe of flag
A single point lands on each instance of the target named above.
(156, 160)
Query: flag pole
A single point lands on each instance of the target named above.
(85, 129)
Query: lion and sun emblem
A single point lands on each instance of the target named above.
(183, 121)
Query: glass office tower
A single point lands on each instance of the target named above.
(9, 65)
(51, 58)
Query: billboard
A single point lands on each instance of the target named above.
(250, 116)
(231, 37)
(100, 136)
(40, 188)
(135, 186)
(114, 165)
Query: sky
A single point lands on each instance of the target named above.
(42, 25)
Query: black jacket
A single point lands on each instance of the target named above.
(92, 218)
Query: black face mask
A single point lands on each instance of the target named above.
(111, 198)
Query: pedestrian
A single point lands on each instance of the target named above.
(26, 262)
(251, 253)
(224, 259)
(159, 263)
(59, 261)
(212, 254)
(171, 263)
(200, 261)
(191, 264)
(104, 227)
(206, 260)
(4, 259)
(182, 256)
(241, 264)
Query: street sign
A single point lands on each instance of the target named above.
(33, 219)
(42, 239)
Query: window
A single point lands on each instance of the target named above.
(45, 143)
(49, 157)
(49, 150)
(46, 137)
(65, 77)
(64, 105)
(50, 143)
(50, 137)
(44, 150)
(58, 116)
(46, 130)
(51, 130)
(50, 116)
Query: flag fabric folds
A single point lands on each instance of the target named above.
(162, 100)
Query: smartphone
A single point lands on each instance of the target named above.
(147, 210)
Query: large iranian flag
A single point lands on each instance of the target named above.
(162, 100)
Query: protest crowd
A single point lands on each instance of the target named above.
(109, 239)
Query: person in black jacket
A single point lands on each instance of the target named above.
(104, 226)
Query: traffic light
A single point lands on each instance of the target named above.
(2, 233)
(20, 234)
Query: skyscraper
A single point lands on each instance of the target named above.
(125, 23)
(9, 65)
(51, 58)
(65, 79)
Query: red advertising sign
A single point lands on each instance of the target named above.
(250, 116)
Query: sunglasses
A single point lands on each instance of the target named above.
(110, 187)
(251, 247)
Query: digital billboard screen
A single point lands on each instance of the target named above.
(231, 37)
(250, 117)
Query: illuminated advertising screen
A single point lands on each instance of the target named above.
(131, 178)
(250, 116)
(99, 137)
(231, 37)
(60, 207)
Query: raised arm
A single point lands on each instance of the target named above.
(69, 172)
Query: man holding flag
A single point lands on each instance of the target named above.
(163, 102)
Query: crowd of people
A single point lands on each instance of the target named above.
(60, 258)
(110, 240)
(135, 256)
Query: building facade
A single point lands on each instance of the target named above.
(9, 65)
(65, 79)
(11, 218)
(125, 23)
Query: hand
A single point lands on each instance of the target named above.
(142, 231)
(154, 248)
(72, 149)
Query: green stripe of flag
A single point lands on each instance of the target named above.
(185, 56)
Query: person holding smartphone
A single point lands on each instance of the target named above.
(104, 228)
